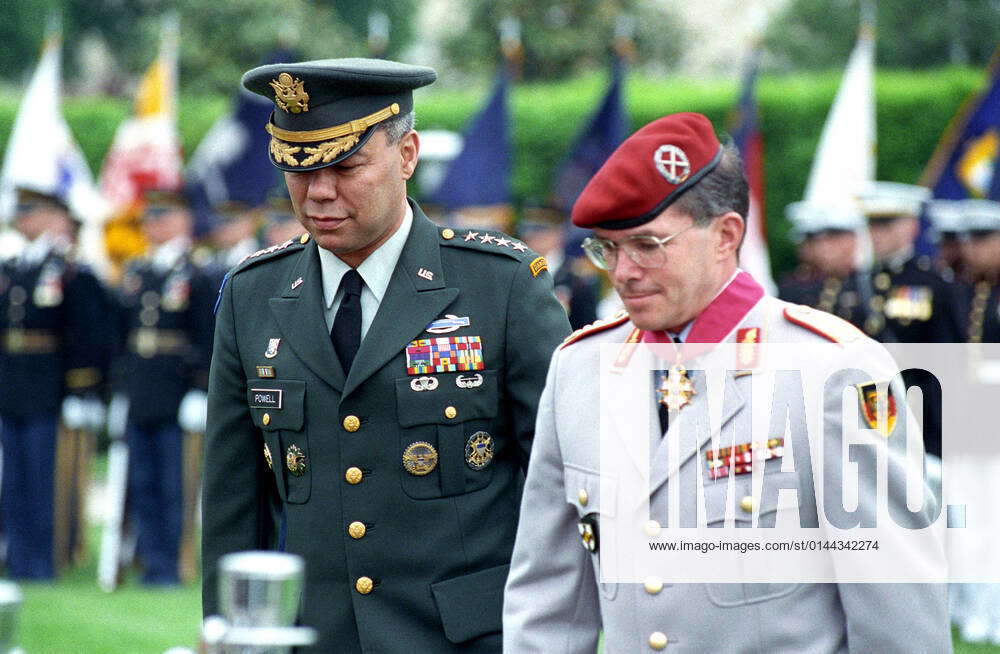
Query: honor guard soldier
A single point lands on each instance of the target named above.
(948, 218)
(669, 239)
(376, 378)
(166, 321)
(577, 285)
(235, 232)
(910, 302)
(980, 245)
(52, 359)
(282, 224)
(835, 285)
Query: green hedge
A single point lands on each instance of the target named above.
(913, 110)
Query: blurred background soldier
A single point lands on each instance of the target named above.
(793, 286)
(832, 284)
(911, 302)
(980, 247)
(235, 233)
(282, 224)
(166, 318)
(51, 357)
(948, 219)
(976, 607)
(577, 285)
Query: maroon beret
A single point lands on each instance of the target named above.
(648, 172)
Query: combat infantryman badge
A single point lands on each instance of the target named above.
(420, 458)
(447, 324)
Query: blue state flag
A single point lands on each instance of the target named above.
(964, 164)
(480, 175)
(600, 136)
(231, 163)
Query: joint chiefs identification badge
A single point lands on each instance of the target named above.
(295, 459)
(479, 450)
(870, 397)
(420, 458)
(588, 532)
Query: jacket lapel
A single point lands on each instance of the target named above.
(410, 303)
(299, 314)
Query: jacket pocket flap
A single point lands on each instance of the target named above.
(277, 405)
(426, 400)
(471, 605)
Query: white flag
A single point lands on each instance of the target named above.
(42, 154)
(845, 158)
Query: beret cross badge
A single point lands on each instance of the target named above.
(290, 94)
(673, 163)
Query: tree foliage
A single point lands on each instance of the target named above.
(561, 38)
(817, 34)
(219, 39)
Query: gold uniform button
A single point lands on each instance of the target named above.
(354, 475)
(657, 640)
(652, 528)
(364, 585)
(266, 419)
(747, 504)
(304, 238)
(357, 530)
(352, 423)
(448, 234)
(583, 497)
(653, 585)
(450, 413)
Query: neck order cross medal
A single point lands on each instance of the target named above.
(676, 389)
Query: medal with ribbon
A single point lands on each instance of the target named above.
(718, 320)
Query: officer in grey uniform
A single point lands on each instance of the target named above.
(374, 382)
(669, 240)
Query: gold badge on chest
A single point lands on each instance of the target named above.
(675, 389)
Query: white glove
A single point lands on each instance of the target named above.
(193, 412)
(117, 416)
(94, 414)
(74, 414)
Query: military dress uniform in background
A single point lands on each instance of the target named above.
(840, 292)
(577, 284)
(53, 315)
(911, 302)
(396, 470)
(166, 322)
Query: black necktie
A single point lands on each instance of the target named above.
(346, 332)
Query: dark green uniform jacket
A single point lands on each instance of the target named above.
(395, 561)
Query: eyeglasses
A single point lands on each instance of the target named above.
(645, 250)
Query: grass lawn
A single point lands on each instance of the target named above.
(74, 616)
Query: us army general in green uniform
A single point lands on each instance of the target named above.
(374, 383)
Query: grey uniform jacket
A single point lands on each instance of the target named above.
(554, 600)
